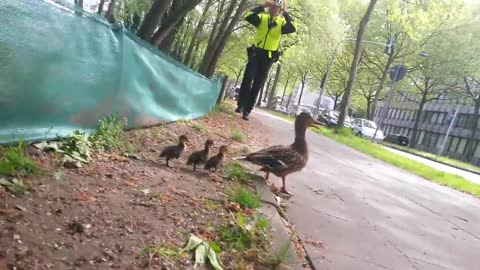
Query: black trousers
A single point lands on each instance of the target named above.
(254, 77)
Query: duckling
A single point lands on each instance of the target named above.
(282, 160)
(175, 151)
(216, 161)
(200, 157)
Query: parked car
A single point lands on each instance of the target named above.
(236, 92)
(281, 109)
(366, 128)
(330, 118)
(301, 109)
(398, 139)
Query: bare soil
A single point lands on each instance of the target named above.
(103, 215)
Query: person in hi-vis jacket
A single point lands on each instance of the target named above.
(264, 51)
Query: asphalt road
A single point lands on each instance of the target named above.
(371, 215)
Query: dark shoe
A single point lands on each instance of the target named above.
(246, 116)
(238, 110)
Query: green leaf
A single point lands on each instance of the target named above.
(215, 247)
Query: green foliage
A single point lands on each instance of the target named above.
(274, 259)
(110, 133)
(245, 197)
(224, 107)
(237, 136)
(198, 127)
(171, 254)
(236, 172)
(78, 147)
(14, 185)
(14, 161)
(347, 132)
(245, 233)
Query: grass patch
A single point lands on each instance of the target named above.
(245, 198)
(237, 136)
(236, 172)
(374, 150)
(245, 233)
(14, 161)
(276, 258)
(14, 185)
(224, 107)
(446, 160)
(110, 133)
(170, 254)
(198, 127)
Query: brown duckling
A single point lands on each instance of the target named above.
(175, 151)
(283, 160)
(200, 157)
(216, 161)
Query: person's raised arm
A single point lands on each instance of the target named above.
(253, 16)
(290, 26)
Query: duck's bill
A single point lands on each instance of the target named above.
(316, 124)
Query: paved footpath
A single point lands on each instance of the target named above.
(371, 215)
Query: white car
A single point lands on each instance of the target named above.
(366, 128)
(281, 109)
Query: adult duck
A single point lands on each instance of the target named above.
(282, 160)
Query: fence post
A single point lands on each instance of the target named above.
(222, 91)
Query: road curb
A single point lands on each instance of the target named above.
(281, 233)
(431, 159)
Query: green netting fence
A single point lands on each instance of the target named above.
(62, 70)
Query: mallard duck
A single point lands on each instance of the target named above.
(283, 160)
(200, 157)
(174, 151)
(216, 161)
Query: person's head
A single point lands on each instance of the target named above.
(275, 7)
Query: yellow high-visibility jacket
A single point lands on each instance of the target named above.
(269, 29)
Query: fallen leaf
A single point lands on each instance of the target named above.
(21, 208)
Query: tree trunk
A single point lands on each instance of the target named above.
(259, 99)
(356, 59)
(111, 11)
(178, 13)
(153, 18)
(198, 31)
(290, 97)
(166, 45)
(473, 134)
(214, 31)
(335, 102)
(274, 87)
(224, 39)
(285, 89)
(100, 7)
(369, 107)
(238, 77)
(208, 58)
(301, 92)
(80, 4)
(267, 90)
(181, 42)
(418, 118)
(380, 87)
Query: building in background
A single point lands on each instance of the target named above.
(433, 126)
